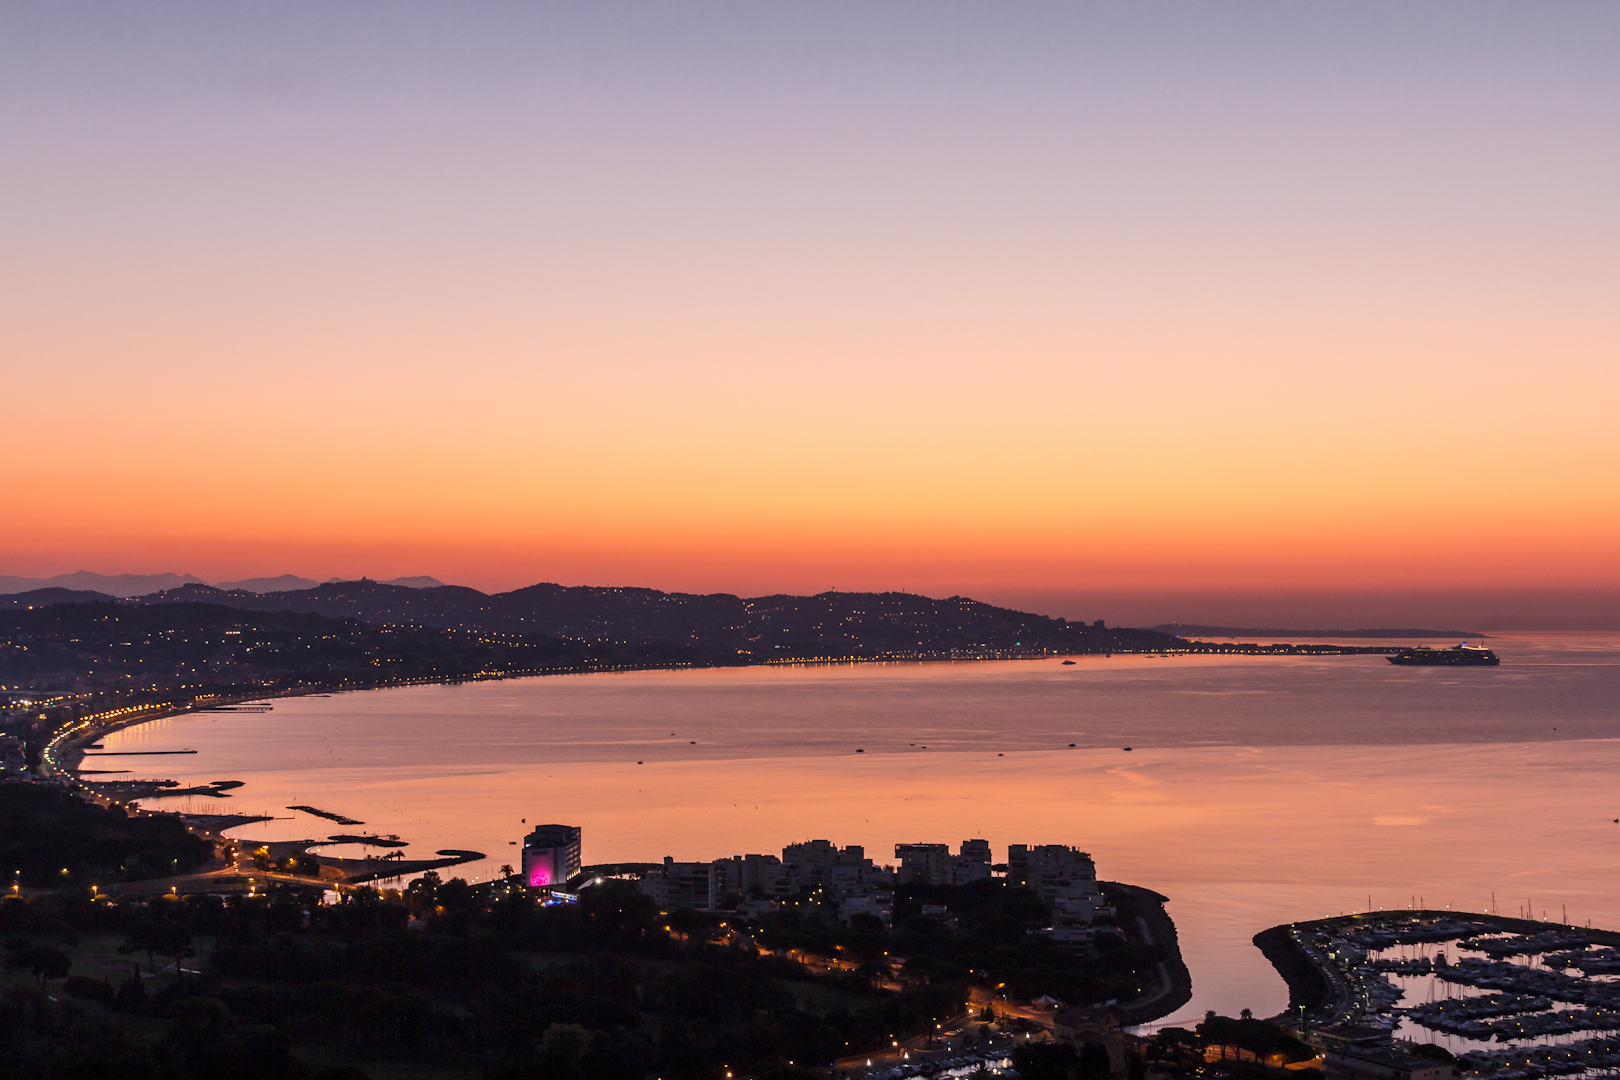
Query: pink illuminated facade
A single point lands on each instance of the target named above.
(551, 856)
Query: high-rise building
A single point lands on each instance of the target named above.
(551, 856)
(821, 862)
(924, 864)
(682, 884)
(1063, 877)
(746, 874)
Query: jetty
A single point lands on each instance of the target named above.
(328, 815)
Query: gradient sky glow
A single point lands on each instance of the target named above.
(1036, 301)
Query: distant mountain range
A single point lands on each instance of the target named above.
(124, 585)
(1251, 634)
(111, 584)
(720, 624)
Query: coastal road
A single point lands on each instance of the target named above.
(916, 1050)
(1344, 994)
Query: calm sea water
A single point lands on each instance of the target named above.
(1255, 791)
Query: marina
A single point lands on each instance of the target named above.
(1510, 998)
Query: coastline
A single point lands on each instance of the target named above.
(63, 752)
(1157, 928)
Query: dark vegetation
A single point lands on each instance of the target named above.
(1060, 1061)
(1241, 1047)
(992, 944)
(989, 946)
(49, 838)
(481, 980)
(1259, 1037)
(1140, 907)
(484, 981)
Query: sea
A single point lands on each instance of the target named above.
(1250, 790)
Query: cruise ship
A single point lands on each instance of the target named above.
(1457, 654)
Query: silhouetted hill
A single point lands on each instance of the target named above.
(85, 580)
(47, 597)
(280, 583)
(762, 628)
(193, 649)
(420, 581)
(125, 585)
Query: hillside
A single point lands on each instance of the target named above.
(145, 652)
(752, 630)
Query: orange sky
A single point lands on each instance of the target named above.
(1098, 304)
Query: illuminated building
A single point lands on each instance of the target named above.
(551, 856)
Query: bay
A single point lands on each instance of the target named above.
(1256, 790)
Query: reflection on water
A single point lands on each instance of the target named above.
(1256, 790)
(1421, 992)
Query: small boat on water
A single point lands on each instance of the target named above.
(1457, 654)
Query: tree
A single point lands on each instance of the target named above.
(422, 895)
(1045, 1061)
(162, 937)
(132, 992)
(689, 922)
(457, 897)
(619, 910)
(1094, 1062)
(45, 961)
(864, 922)
(139, 939)
(205, 1039)
(563, 1049)
(174, 939)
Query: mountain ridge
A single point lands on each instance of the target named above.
(132, 585)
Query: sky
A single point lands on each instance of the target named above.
(1270, 311)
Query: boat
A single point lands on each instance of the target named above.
(1457, 654)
